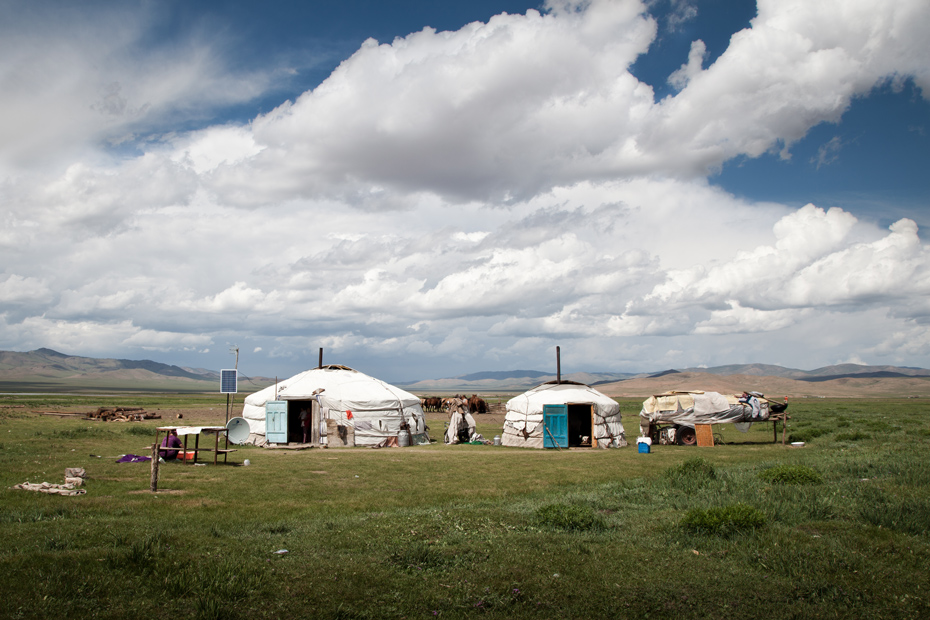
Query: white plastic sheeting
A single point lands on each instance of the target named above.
(379, 410)
(697, 407)
(523, 424)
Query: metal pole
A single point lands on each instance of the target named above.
(558, 365)
(228, 402)
(320, 365)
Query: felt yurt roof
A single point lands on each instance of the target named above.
(378, 408)
(336, 384)
(532, 401)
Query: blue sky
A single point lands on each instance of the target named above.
(430, 189)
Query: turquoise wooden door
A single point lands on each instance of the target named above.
(276, 421)
(555, 420)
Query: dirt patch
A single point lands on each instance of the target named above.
(203, 416)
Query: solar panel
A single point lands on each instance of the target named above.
(228, 382)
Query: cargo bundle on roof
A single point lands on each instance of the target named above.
(671, 417)
(335, 397)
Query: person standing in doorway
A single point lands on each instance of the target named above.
(305, 420)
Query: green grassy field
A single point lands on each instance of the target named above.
(748, 529)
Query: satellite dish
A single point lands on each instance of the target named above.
(237, 430)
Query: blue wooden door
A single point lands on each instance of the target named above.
(555, 420)
(276, 421)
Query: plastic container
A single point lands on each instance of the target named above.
(644, 448)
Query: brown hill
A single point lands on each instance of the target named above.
(773, 387)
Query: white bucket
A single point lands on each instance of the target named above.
(497, 440)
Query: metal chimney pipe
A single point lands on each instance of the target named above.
(321, 358)
(558, 365)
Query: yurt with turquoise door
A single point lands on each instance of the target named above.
(340, 402)
(563, 414)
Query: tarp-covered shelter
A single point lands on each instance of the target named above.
(461, 423)
(339, 397)
(687, 408)
(593, 419)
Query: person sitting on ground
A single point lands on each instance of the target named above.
(171, 440)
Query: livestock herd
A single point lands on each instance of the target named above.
(476, 404)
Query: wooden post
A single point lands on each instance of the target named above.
(784, 427)
(315, 422)
(154, 482)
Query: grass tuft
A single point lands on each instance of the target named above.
(55, 543)
(691, 475)
(139, 431)
(35, 515)
(417, 556)
(808, 434)
(852, 436)
(790, 474)
(723, 521)
(571, 517)
(210, 608)
(281, 527)
(904, 514)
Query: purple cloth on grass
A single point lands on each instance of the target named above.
(132, 458)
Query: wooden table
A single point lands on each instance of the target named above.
(186, 431)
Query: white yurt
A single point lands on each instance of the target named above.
(374, 412)
(593, 419)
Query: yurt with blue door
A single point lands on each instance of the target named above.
(341, 406)
(563, 414)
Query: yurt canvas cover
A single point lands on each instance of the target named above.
(590, 414)
(379, 411)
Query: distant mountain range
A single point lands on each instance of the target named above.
(48, 370)
(45, 370)
(519, 380)
(837, 371)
